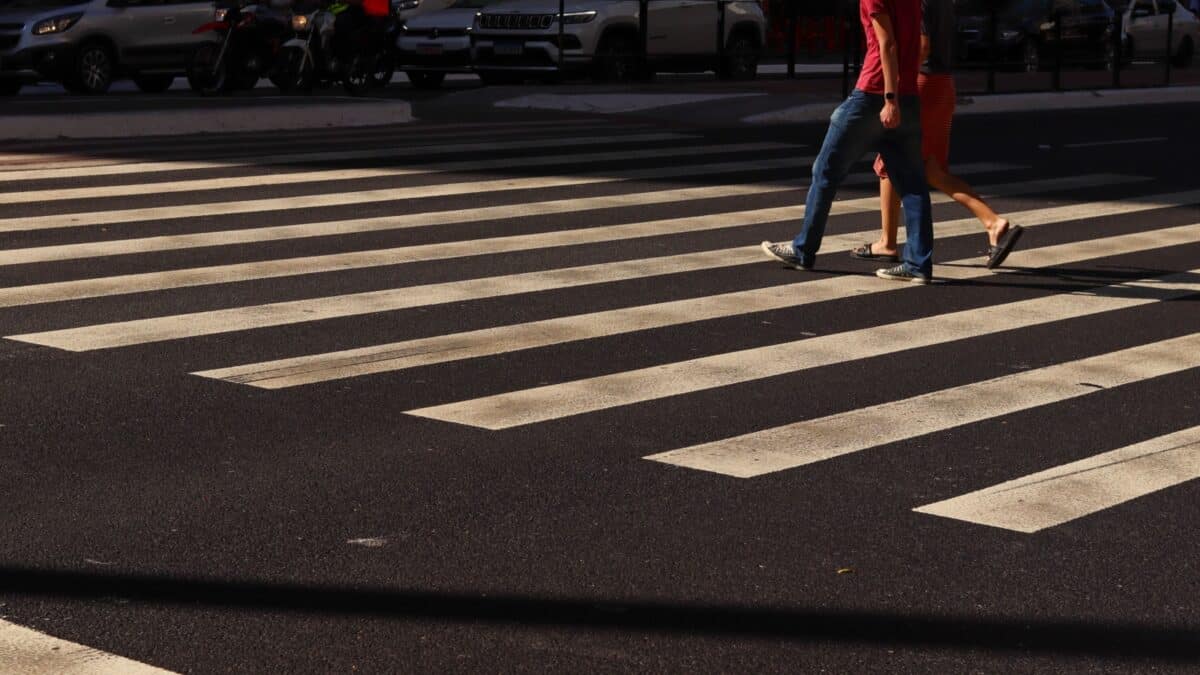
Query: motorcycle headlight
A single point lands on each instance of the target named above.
(220, 14)
(55, 24)
(578, 17)
(300, 23)
(1009, 35)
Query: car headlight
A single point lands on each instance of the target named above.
(56, 24)
(300, 23)
(220, 14)
(1009, 35)
(578, 17)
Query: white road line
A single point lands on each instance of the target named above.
(441, 348)
(37, 254)
(812, 441)
(340, 262)
(261, 206)
(333, 156)
(157, 329)
(92, 154)
(1064, 493)
(29, 652)
(1126, 141)
(329, 175)
(551, 402)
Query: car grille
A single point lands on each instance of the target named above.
(436, 32)
(9, 41)
(515, 21)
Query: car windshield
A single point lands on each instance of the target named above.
(38, 4)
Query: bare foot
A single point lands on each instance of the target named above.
(997, 230)
(875, 249)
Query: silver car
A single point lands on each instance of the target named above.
(1145, 25)
(518, 38)
(431, 45)
(86, 45)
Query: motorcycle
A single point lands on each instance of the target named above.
(337, 44)
(249, 39)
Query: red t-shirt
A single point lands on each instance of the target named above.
(906, 22)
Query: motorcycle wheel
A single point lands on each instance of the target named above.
(204, 75)
(294, 73)
(384, 71)
(359, 76)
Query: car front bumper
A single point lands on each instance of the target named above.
(444, 55)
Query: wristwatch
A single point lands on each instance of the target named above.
(889, 96)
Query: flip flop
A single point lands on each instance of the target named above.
(864, 253)
(1004, 246)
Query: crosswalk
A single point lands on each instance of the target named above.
(579, 239)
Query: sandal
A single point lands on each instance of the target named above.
(1004, 246)
(864, 252)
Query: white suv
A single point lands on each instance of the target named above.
(519, 38)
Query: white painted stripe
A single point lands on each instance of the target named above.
(300, 311)
(340, 262)
(442, 348)
(328, 228)
(126, 151)
(29, 652)
(1071, 491)
(551, 402)
(257, 206)
(172, 242)
(244, 318)
(811, 441)
(1126, 141)
(327, 175)
(38, 254)
(393, 152)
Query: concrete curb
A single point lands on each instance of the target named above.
(198, 121)
(999, 103)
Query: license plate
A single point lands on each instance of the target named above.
(429, 49)
(509, 48)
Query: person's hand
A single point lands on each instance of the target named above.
(890, 115)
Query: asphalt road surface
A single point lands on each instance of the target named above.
(526, 397)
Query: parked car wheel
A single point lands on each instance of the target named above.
(153, 84)
(1031, 58)
(94, 70)
(617, 59)
(10, 87)
(741, 59)
(205, 76)
(1183, 57)
(424, 80)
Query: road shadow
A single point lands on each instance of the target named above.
(1125, 640)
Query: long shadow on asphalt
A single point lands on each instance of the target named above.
(1065, 637)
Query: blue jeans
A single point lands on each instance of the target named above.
(854, 130)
